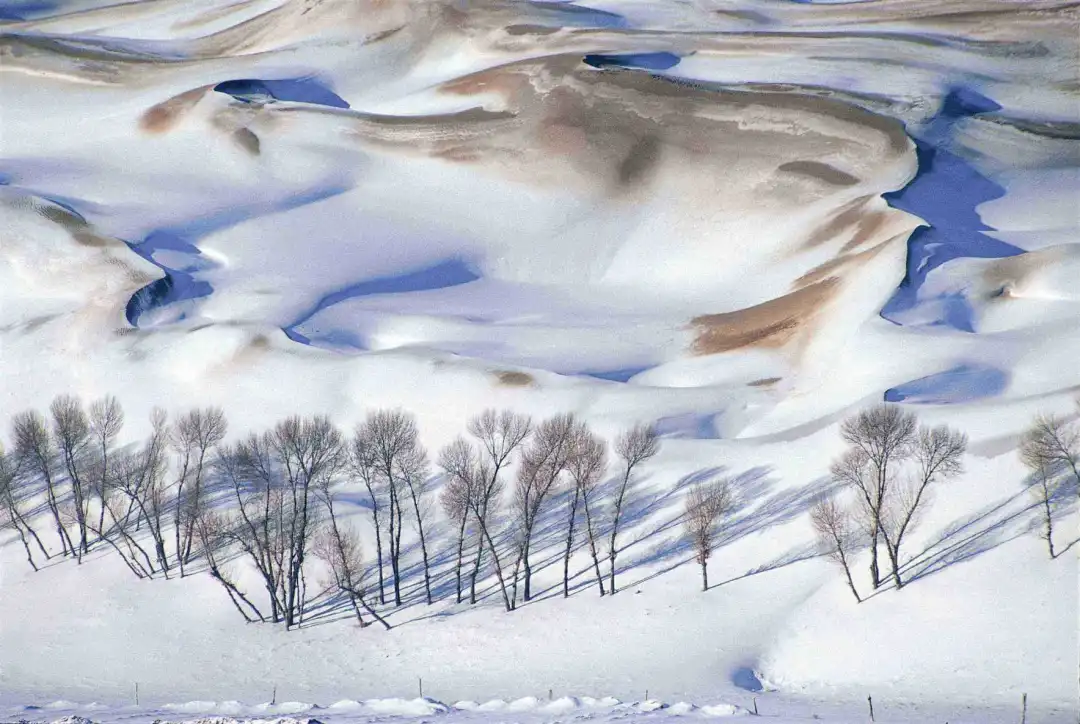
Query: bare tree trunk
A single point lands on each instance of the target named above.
(395, 543)
(704, 576)
(847, 575)
(26, 544)
(528, 568)
(378, 542)
(460, 554)
(414, 494)
(592, 548)
(517, 570)
(569, 542)
(427, 568)
(371, 611)
(476, 568)
(498, 566)
(1049, 520)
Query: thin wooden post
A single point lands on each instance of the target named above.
(420, 679)
(273, 699)
(755, 706)
(1023, 713)
(136, 693)
(870, 701)
(550, 696)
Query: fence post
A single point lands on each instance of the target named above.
(870, 701)
(755, 706)
(1023, 713)
(420, 680)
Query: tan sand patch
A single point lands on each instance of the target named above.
(770, 324)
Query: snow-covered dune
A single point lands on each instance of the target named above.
(742, 220)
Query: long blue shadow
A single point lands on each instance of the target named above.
(17, 10)
(645, 61)
(946, 192)
(566, 14)
(180, 283)
(688, 426)
(620, 375)
(964, 383)
(449, 273)
(300, 90)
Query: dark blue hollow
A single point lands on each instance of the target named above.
(618, 375)
(946, 192)
(646, 61)
(16, 10)
(299, 90)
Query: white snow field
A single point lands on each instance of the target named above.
(743, 220)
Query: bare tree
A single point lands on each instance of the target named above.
(9, 506)
(212, 532)
(1048, 447)
(544, 459)
(310, 453)
(194, 435)
(361, 462)
(454, 499)
(833, 525)
(471, 483)
(586, 465)
(106, 421)
(706, 504)
(883, 436)
(414, 472)
(937, 455)
(394, 446)
(498, 435)
(1046, 489)
(71, 433)
(339, 548)
(141, 477)
(250, 469)
(120, 533)
(635, 446)
(34, 448)
(275, 478)
(1053, 442)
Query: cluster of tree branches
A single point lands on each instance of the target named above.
(185, 496)
(1050, 449)
(889, 469)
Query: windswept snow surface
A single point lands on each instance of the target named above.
(743, 220)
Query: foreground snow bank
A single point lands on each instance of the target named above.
(777, 708)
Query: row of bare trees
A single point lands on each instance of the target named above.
(557, 454)
(185, 497)
(98, 495)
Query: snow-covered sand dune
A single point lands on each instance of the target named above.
(740, 219)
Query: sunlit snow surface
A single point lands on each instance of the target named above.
(525, 710)
(741, 219)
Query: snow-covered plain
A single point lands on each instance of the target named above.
(743, 220)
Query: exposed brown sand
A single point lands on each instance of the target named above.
(770, 324)
(510, 378)
(164, 116)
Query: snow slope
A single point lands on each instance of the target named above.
(291, 206)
